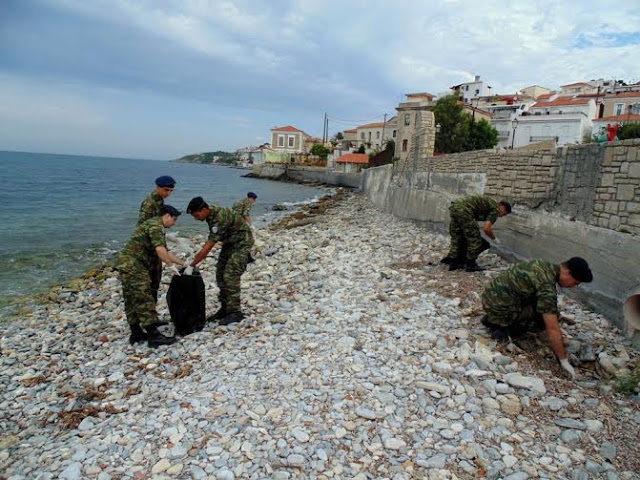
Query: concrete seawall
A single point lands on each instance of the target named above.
(307, 175)
(613, 256)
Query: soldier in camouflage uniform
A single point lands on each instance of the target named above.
(466, 242)
(136, 265)
(524, 298)
(229, 228)
(151, 207)
(243, 207)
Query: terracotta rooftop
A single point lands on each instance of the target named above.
(353, 130)
(622, 95)
(619, 118)
(288, 128)
(561, 102)
(354, 158)
(544, 96)
(377, 125)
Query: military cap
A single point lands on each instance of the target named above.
(196, 204)
(252, 195)
(174, 212)
(579, 269)
(165, 181)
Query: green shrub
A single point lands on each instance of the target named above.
(630, 130)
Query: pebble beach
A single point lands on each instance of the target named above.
(361, 357)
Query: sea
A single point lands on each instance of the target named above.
(61, 215)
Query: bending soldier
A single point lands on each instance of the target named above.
(524, 298)
(229, 228)
(466, 242)
(136, 265)
(243, 207)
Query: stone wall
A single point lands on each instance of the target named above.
(596, 184)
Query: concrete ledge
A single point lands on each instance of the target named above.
(307, 175)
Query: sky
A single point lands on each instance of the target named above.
(160, 79)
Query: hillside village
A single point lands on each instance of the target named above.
(576, 113)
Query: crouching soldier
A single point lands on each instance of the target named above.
(136, 265)
(466, 242)
(231, 229)
(524, 299)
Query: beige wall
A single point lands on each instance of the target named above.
(415, 140)
(298, 140)
(610, 104)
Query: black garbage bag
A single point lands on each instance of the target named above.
(186, 302)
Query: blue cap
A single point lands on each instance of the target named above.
(252, 195)
(165, 181)
(173, 211)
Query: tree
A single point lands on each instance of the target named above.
(338, 136)
(361, 149)
(320, 150)
(459, 132)
(630, 130)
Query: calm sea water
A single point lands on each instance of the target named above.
(62, 214)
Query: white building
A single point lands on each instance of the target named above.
(472, 90)
(565, 119)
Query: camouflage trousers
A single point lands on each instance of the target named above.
(517, 322)
(464, 233)
(156, 276)
(232, 263)
(139, 299)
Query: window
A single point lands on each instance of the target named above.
(362, 135)
(377, 134)
(477, 91)
(405, 145)
(292, 141)
(635, 109)
(281, 140)
(407, 119)
(466, 88)
(619, 109)
(394, 134)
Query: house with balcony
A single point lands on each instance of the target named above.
(565, 119)
(288, 139)
(374, 136)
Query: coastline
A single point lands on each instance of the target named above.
(361, 357)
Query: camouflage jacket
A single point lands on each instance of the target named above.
(225, 224)
(150, 207)
(243, 207)
(480, 207)
(527, 283)
(140, 251)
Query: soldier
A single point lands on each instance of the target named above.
(524, 298)
(466, 242)
(243, 207)
(152, 207)
(230, 228)
(136, 265)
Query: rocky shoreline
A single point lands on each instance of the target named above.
(360, 358)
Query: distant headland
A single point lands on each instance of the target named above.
(212, 158)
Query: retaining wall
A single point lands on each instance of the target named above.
(307, 175)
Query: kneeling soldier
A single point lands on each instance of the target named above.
(136, 265)
(231, 229)
(524, 298)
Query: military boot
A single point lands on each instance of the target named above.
(233, 317)
(155, 338)
(447, 260)
(455, 265)
(218, 315)
(137, 334)
(472, 266)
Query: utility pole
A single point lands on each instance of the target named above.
(324, 127)
(384, 122)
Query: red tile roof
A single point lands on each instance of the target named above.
(562, 101)
(376, 125)
(353, 130)
(354, 158)
(619, 118)
(576, 83)
(622, 95)
(545, 96)
(288, 128)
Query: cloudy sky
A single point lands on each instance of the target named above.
(163, 78)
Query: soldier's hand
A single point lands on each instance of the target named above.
(188, 270)
(564, 363)
(496, 241)
(174, 270)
